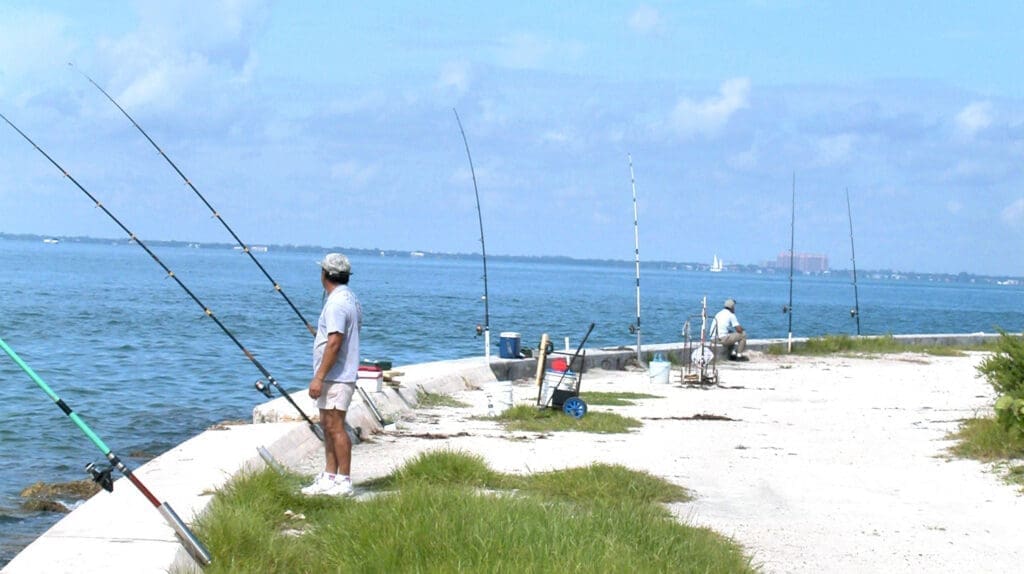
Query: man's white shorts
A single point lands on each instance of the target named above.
(336, 396)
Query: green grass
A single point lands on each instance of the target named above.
(845, 344)
(615, 399)
(602, 518)
(1015, 475)
(534, 419)
(986, 440)
(428, 399)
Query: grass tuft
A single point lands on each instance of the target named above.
(845, 344)
(442, 467)
(428, 399)
(603, 518)
(534, 419)
(615, 399)
(606, 484)
(986, 440)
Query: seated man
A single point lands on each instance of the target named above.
(726, 329)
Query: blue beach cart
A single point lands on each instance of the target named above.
(560, 389)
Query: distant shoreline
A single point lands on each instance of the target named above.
(877, 274)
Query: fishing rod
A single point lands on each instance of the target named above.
(245, 248)
(486, 327)
(260, 385)
(636, 251)
(216, 214)
(789, 308)
(103, 477)
(855, 312)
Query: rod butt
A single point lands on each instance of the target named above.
(192, 545)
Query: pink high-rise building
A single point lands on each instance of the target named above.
(803, 262)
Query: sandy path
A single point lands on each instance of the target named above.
(831, 465)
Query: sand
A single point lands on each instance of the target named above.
(829, 464)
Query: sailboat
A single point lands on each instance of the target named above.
(716, 265)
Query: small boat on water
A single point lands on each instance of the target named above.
(51, 240)
(716, 265)
(416, 254)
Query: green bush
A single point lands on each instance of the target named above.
(1004, 370)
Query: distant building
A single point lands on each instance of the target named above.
(803, 262)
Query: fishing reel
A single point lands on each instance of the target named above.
(853, 313)
(101, 477)
(633, 329)
(786, 309)
(264, 388)
(479, 330)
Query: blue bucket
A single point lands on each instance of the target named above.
(509, 345)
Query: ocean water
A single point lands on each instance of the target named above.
(139, 361)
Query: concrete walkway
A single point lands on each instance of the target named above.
(123, 528)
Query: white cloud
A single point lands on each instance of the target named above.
(354, 173)
(1013, 214)
(706, 117)
(954, 207)
(645, 20)
(835, 149)
(530, 52)
(744, 160)
(176, 51)
(32, 44)
(974, 118)
(455, 76)
(524, 51)
(555, 136)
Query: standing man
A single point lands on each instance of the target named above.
(730, 334)
(335, 370)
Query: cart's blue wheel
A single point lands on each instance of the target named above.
(575, 407)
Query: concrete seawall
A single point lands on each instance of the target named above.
(122, 527)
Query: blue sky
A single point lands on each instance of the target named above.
(331, 123)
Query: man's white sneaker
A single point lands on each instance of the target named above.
(340, 488)
(321, 485)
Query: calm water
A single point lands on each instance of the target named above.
(138, 360)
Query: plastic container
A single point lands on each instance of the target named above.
(659, 371)
(509, 345)
(372, 374)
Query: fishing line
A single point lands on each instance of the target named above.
(486, 329)
(216, 214)
(636, 251)
(259, 384)
(855, 312)
(103, 477)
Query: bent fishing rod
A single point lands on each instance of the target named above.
(636, 251)
(486, 328)
(263, 388)
(103, 477)
(855, 312)
(216, 214)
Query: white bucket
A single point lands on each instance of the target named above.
(659, 371)
(500, 396)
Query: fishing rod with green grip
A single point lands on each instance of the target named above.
(102, 477)
(316, 430)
